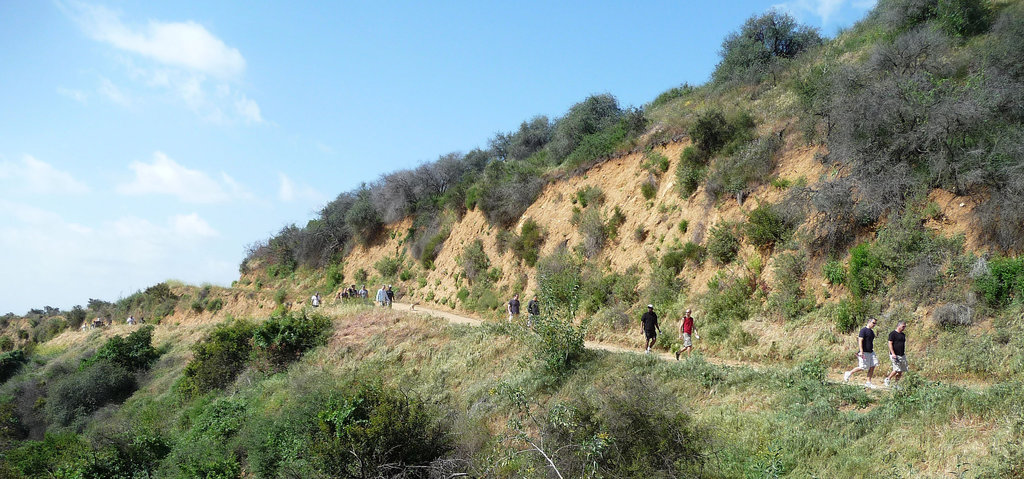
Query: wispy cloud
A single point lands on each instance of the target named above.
(165, 176)
(77, 95)
(825, 11)
(186, 45)
(38, 177)
(290, 191)
(181, 58)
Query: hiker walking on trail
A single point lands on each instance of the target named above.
(364, 293)
(649, 321)
(686, 330)
(866, 355)
(532, 311)
(391, 296)
(382, 296)
(897, 353)
(315, 300)
(513, 308)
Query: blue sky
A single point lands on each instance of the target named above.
(144, 141)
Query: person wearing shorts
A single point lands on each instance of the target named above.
(686, 331)
(649, 321)
(513, 308)
(897, 353)
(866, 360)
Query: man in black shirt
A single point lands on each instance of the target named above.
(513, 308)
(897, 353)
(866, 356)
(649, 321)
(533, 310)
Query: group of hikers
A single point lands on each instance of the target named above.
(866, 360)
(385, 295)
(100, 322)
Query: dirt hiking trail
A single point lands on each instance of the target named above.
(833, 377)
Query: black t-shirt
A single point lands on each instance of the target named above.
(869, 339)
(533, 307)
(899, 340)
(650, 321)
(513, 306)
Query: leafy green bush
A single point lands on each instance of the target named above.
(834, 272)
(560, 340)
(376, 431)
(95, 385)
(1003, 281)
(280, 296)
(595, 233)
(671, 94)
(134, 352)
(284, 338)
(766, 227)
(684, 225)
(761, 45)
(690, 171)
(361, 276)
(866, 271)
(10, 364)
(848, 314)
(390, 266)
(727, 299)
(526, 245)
(710, 132)
(217, 359)
(723, 245)
(363, 219)
(589, 195)
(474, 260)
(335, 277)
(739, 173)
(788, 297)
(617, 219)
(648, 188)
(655, 163)
(430, 251)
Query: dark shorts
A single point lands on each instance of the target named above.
(650, 334)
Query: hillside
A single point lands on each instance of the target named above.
(810, 185)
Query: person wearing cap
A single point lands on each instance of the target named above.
(649, 321)
(686, 330)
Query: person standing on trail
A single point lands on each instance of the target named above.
(897, 353)
(391, 296)
(532, 311)
(513, 308)
(315, 300)
(686, 330)
(382, 296)
(866, 357)
(364, 293)
(649, 321)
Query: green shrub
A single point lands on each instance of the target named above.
(335, 277)
(432, 249)
(80, 393)
(474, 260)
(640, 233)
(134, 352)
(727, 299)
(280, 296)
(723, 245)
(594, 231)
(648, 188)
(617, 219)
(361, 276)
(10, 364)
(214, 305)
(738, 173)
(1003, 281)
(761, 45)
(683, 226)
(526, 246)
(405, 275)
(559, 282)
(866, 273)
(284, 338)
(766, 227)
(390, 266)
(834, 272)
(690, 171)
(376, 432)
(472, 195)
(589, 195)
(671, 94)
(217, 359)
(655, 163)
(848, 314)
(963, 18)
(788, 297)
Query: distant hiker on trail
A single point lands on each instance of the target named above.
(340, 295)
(97, 323)
(866, 357)
(513, 308)
(649, 321)
(382, 296)
(686, 330)
(352, 292)
(130, 320)
(391, 296)
(897, 353)
(363, 292)
(532, 311)
(315, 300)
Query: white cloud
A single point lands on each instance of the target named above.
(289, 191)
(165, 176)
(38, 177)
(181, 59)
(112, 92)
(77, 95)
(824, 10)
(192, 226)
(186, 45)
